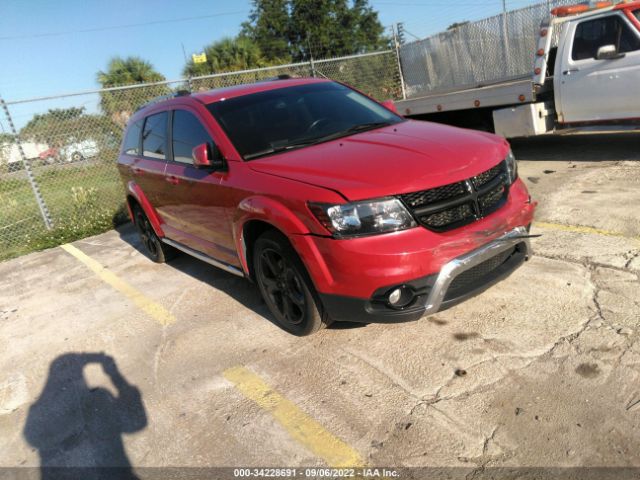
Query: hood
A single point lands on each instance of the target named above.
(401, 158)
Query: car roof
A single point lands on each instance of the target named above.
(246, 89)
(225, 93)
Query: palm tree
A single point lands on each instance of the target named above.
(228, 55)
(120, 104)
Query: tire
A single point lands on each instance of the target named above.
(154, 248)
(76, 157)
(286, 287)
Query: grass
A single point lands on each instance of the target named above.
(83, 199)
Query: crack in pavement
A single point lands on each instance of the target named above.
(595, 318)
(631, 259)
(588, 262)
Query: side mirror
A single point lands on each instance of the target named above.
(390, 105)
(202, 159)
(608, 52)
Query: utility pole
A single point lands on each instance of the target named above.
(400, 32)
(311, 64)
(184, 53)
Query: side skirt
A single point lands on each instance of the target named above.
(205, 258)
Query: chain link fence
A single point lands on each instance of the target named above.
(490, 50)
(58, 176)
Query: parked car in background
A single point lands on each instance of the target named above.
(337, 207)
(74, 152)
(49, 155)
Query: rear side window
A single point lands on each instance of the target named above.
(154, 136)
(593, 34)
(188, 132)
(131, 143)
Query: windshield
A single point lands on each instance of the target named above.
(268, 122)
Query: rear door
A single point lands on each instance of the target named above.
(192, 203)
(592, 90)
(149, 162)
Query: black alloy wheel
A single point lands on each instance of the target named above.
(283, 286)
(286, 287)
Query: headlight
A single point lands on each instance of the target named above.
(363, 218)
(512, 167)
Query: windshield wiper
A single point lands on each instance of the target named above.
(282, 148)
(361, 127)
(366, 126)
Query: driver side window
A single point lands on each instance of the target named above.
(188, 132)
(610, 30)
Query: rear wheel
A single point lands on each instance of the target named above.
(154, 248)
(286, 287)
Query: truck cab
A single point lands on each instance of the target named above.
(597, 71)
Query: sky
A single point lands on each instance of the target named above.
(51, 47)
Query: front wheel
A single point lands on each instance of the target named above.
(286, 287)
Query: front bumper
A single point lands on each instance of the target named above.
(459, 279)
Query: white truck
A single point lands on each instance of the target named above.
(590, 80)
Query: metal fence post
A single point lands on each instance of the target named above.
(312, 66)
(397, 47)
(44, 211)
(505, 37)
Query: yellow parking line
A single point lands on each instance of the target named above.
(581, 229)
(153, 309)
(299, 425)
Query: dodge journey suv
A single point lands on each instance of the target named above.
(334, 205)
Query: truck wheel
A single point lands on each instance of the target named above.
(155, 249)
(76, 156)
(286, 287)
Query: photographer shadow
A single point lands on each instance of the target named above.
(76, 429)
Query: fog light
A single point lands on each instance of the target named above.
(394, 296)
(400, 297)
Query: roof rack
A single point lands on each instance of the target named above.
(162, 98)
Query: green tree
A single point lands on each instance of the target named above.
(6, 138)
(322, 28)
(227, 55)
(455, 25)
(268, 25)
(120, 104)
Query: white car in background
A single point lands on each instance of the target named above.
(74, 152)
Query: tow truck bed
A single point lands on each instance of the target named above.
(512, 92)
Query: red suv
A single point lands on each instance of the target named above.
(336, 206)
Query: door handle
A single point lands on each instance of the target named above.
(568, 72)
(172, 180)
(137, 170)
